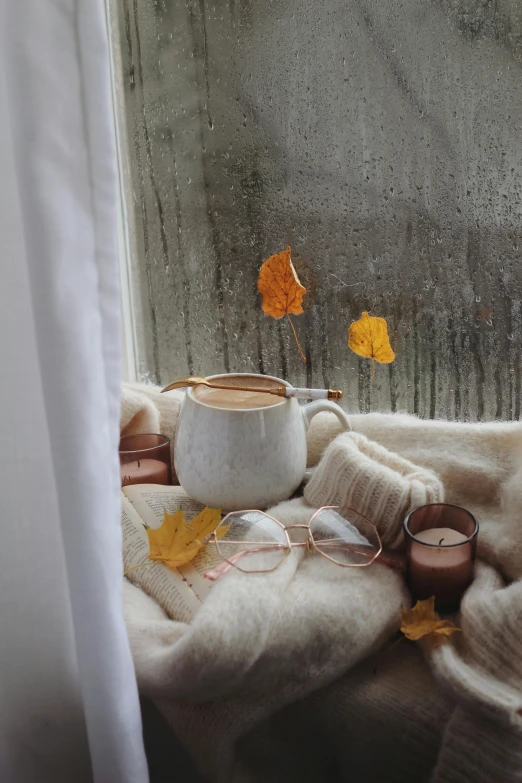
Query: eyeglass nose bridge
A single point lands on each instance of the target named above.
(309, 540)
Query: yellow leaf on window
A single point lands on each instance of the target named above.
(368, 337)
(177, 541)
(421, 620)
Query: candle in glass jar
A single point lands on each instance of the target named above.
(144, 471)
(443, 569)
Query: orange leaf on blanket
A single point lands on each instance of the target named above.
(368, 337)
(177, 541)
(421, 621)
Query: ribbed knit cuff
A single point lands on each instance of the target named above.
(375, 482)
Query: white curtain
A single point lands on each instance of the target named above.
(69, 707)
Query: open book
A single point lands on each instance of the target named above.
(181, 592)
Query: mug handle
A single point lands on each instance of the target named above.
(309, 412)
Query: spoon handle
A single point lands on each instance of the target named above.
(285, 391)
(314, 394)
(279, 390)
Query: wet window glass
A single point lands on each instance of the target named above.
(381, 141)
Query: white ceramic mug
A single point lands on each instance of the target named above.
(250, 458)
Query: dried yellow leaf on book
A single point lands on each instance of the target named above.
(368, 337)
(177, 541)
(421, 621)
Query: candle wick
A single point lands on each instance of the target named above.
(441, 540)
(139, 463)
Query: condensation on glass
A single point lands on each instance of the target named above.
(382, 141)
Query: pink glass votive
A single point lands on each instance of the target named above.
(441, 541)
(145, 459)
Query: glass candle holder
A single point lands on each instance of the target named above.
(145, 459)
(441, 541)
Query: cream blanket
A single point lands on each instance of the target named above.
(261, 643)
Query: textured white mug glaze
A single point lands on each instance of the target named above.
(250, 458)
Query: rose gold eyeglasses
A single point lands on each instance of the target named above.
(256, 542)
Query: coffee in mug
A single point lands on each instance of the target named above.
(234, 399)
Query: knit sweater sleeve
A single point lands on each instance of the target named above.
(483, 672)
(166, 407)
(138, 414)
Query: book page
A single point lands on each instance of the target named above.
(167, 587)
(150, 501)
(194, 571)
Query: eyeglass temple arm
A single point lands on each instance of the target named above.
(386, 557)
(226, 565)
(391, 559)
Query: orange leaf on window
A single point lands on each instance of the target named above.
(279, 286)
(422, 621)
(368, 337)
(281, 290)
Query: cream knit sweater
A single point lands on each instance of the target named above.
(252, 649)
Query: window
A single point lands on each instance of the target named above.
(381, 141)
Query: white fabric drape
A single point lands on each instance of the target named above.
(69, 708)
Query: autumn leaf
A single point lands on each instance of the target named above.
(421, 621)
(281, 290)
(368, 337)
(279, 286)
(177, 541)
